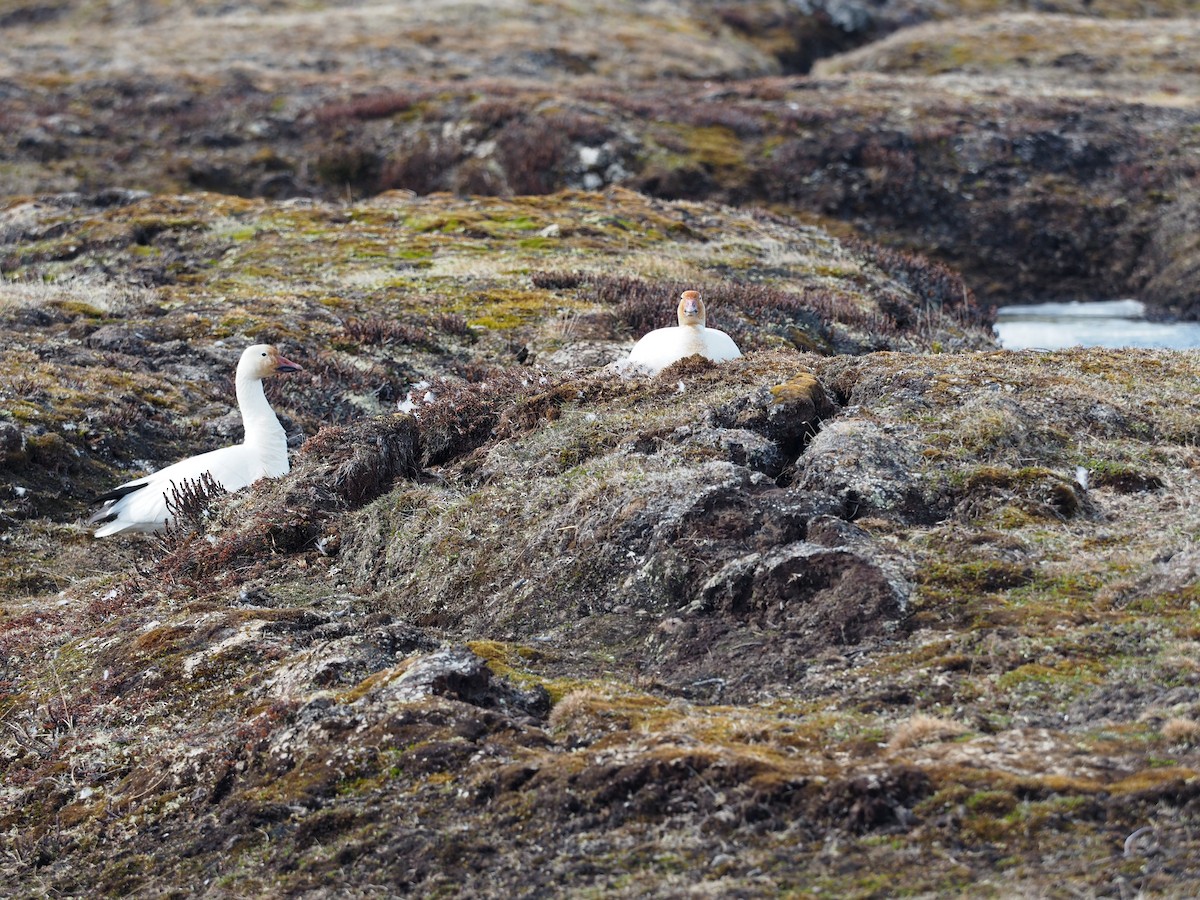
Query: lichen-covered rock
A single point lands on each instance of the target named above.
(344, 652)
(867, 469)
(459, 674)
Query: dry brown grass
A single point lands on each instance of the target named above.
(922, 729)
(1181, 731)
(577, 711)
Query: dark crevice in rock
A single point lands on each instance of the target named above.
(788, 415)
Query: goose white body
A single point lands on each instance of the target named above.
(663, 346)
(141, 505)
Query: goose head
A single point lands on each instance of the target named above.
(691, 309)
(262, 361)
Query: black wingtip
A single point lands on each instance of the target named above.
(123, 491)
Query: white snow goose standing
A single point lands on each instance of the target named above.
(663, 346)
(141, 505)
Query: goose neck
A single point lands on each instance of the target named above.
(258, 418)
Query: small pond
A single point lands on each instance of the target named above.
(1107, 323)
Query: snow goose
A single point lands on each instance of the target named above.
(663, 346)
(141, 505)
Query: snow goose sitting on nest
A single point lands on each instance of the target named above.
(663, 346)
(141, 505)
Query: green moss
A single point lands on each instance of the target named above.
(244, 233)
(1011, 518)
(995, 803)
(24, 411)
(974, 577)
(414, 253)
(714, 146)
(1073, 673)
(505, 309)
(517, 223)
(1059, 591)
(78, 308)
(236, 324)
